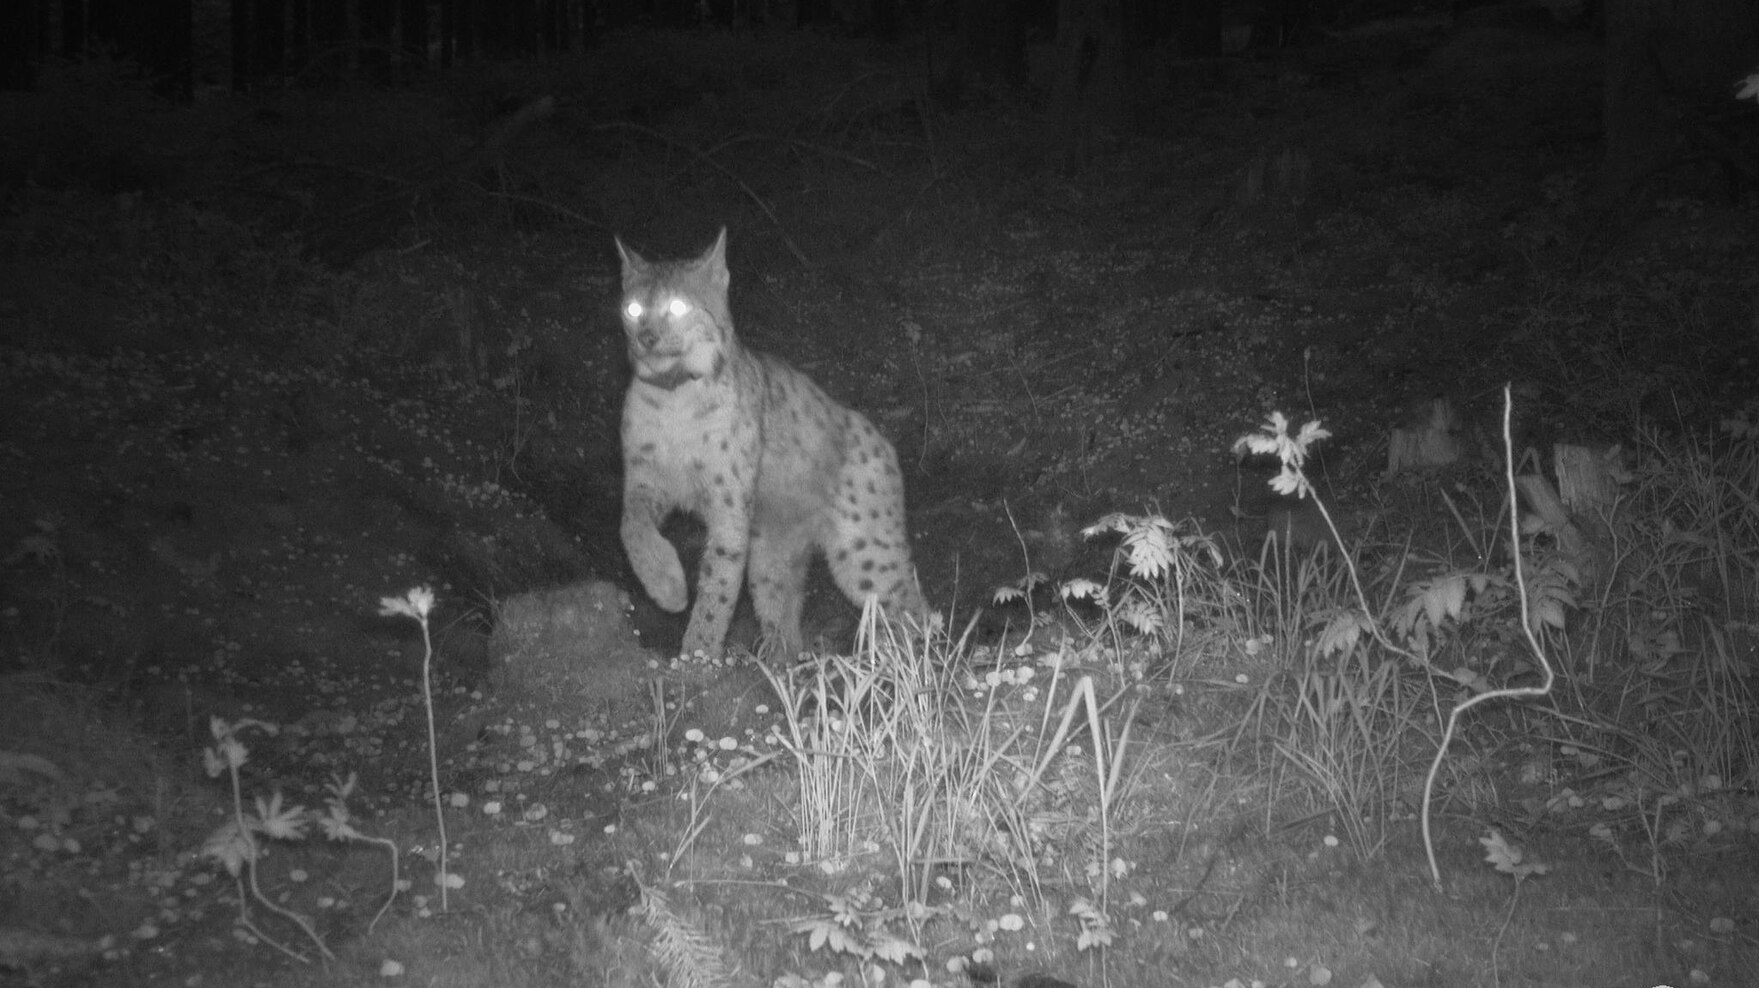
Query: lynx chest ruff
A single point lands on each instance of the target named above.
(775, 468)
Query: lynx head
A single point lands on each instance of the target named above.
(675, 315)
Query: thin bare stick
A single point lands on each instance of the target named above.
(828, 152)
(562, 210)
(1515, 692)
(1031, 585)
(1460, 520)
(831, 103)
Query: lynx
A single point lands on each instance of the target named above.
(775, 469)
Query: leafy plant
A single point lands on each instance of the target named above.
(1096, 927)
(858, 924)
(235, 845)
(1510, 860)
(1162, 571)
(1421, 618)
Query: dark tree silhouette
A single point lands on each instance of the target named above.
(1093, 70)
(21, 38)
(156, 35)
(412, 33)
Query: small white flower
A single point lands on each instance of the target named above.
(416, 604)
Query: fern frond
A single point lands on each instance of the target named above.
(690, 958)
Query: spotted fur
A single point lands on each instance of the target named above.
(773, 466)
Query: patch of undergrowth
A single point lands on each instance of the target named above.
(948, 807)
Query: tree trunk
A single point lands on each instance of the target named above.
(375, 18)
(1199, 28)
(329, 26)
(1634, 108)
(993, 35)
(165, 34)
(21, 39)
(73, 28)
(412, 33)
(268, 41)
(448, 32)
(552, 16)
(990, 43)
(1093, 71)
(885, 20)
(495, 33)
(102, 22)
(243, 68)
(299, 41)
(467, 38)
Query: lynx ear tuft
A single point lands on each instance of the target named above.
(715, 260)
(631, 260)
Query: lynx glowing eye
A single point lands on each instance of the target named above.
(633, 310)
(677, 307)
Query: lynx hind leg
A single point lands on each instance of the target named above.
(870, 548)
(780, 559)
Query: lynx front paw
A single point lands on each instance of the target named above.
(657, 567)
(702, 641)
(668, 591)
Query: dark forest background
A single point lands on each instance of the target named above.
(1664, 58)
